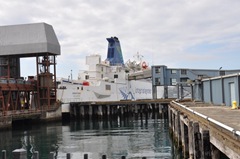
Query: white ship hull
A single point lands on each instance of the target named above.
(105, 91)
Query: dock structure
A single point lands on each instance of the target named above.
(37, 93)
(124, 107)
(205, 131)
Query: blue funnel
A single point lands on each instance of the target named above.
(114, 55)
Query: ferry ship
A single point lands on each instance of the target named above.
(107, 80)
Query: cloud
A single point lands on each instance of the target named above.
(175, 33)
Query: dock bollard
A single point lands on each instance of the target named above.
(4, 154)
(123, 157)
(68, 156)
(104, 157)
(36, 155)
(85, 156)
(51, 155)
(19, 154)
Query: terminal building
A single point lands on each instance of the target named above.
(185, 79)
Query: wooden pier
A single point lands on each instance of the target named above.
(113, 108)
(205, 131)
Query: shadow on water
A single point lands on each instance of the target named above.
(135, 136)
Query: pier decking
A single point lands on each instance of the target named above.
(197, 125)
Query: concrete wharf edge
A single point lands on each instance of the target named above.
(222, 135)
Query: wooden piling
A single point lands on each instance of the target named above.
(145, 109)
(206, 148)
(108, 110)
(177, 127)
(196, 141)
(173, 121)
(104, 157)
(4, 154)
(68, 156)
(160, 109)
(215, 152)
(190, 139)
(100, 112)
(82, 113)
(184, 137)
(121, 109)
(74, 111)
(85, 156)
(130, 109)
(135, 108)
(170, 118)
(141, 108)
(90, 111)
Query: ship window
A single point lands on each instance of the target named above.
(87, 77)
(101, 75)
(81, 88)
(115, 76)
(108, 87)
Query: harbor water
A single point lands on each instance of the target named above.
(133, 137)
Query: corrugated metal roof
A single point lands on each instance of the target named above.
(36, 38)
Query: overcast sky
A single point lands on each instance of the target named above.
(202, 34)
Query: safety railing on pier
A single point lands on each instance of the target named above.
(232, 130)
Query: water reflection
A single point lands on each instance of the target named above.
(133, 137)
